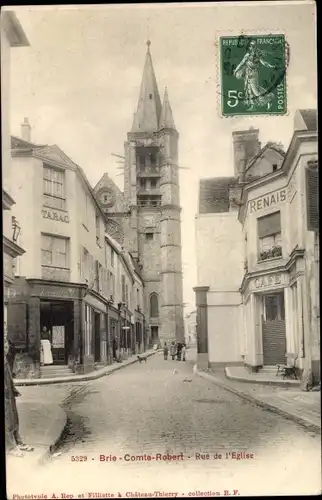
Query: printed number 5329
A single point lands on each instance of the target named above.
(234, 97)
(77, 458)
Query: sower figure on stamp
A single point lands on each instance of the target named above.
(14, 443)
(249, 68)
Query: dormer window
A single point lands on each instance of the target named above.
(274, 167)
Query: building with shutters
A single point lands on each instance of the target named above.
(262, 301)
(147, 216)
(74, 280)
(12, 36)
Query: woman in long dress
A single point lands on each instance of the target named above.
(249, 68)
(14, 444)
(46, 357)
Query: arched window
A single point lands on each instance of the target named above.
(154, 306)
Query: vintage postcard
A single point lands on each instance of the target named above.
(161, 250)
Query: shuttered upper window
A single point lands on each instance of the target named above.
(312, 196)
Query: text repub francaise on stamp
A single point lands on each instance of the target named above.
(253, 75)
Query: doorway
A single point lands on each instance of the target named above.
(97, 337)
(273, 326)
(58, 318)
(154, 335)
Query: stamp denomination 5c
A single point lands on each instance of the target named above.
(253, 74)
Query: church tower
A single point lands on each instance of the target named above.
(151, 193)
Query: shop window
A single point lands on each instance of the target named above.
(269, 235)
(54, 187)
(154, 306)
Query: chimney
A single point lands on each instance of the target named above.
(246, 145)
(26, 130)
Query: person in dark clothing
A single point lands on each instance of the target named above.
(173, 350)
(179, 348)
(114, 348)
(165, 351)
(13, 441)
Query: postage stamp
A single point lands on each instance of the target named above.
(253, 74)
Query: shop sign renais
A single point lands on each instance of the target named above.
(266, 201)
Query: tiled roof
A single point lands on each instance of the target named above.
(310, 118)
(271, 145)
(214, 194)
(17, 142)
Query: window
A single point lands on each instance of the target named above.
(85, 211)
(54, 187)
(142, 161)
(154, 306)
(142, 183)
(274, 307)
(98, 230)
(149, 236)
(55, 258)
(153, 183)
(269, 234)
(274, 167)
(123, 288)
(54, 251)
(88, 330)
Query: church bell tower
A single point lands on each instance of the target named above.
(151, 191)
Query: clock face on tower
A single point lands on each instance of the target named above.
(106, 197)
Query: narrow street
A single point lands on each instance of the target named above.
(162, 407)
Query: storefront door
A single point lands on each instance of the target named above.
(58, 318)
(273, 324)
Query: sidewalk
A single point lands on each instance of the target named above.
(289, 402)
(106, 370)
(41, 414)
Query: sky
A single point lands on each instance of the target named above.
(78, 83)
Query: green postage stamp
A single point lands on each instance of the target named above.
(252, 72)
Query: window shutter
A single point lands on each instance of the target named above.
(269, 225)
(312, 197)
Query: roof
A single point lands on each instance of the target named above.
(166, 119)
(214, 194)
(147, 115)
(17, 142)
(269, 145)
(305, 119)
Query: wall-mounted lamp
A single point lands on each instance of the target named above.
(16, 229)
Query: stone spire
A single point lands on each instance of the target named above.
(166, 119)
(147, 115)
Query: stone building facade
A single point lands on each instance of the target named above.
(74, 279)
(148, 217)
(259, 298)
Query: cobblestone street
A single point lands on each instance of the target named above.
(162, 407)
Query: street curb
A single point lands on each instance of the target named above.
(258, 402)
(79, 378)
(278, 383)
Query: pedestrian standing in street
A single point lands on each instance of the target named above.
(173, 350)
(165, 351)
(179, 348)
(14, 444)
(183, 352)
